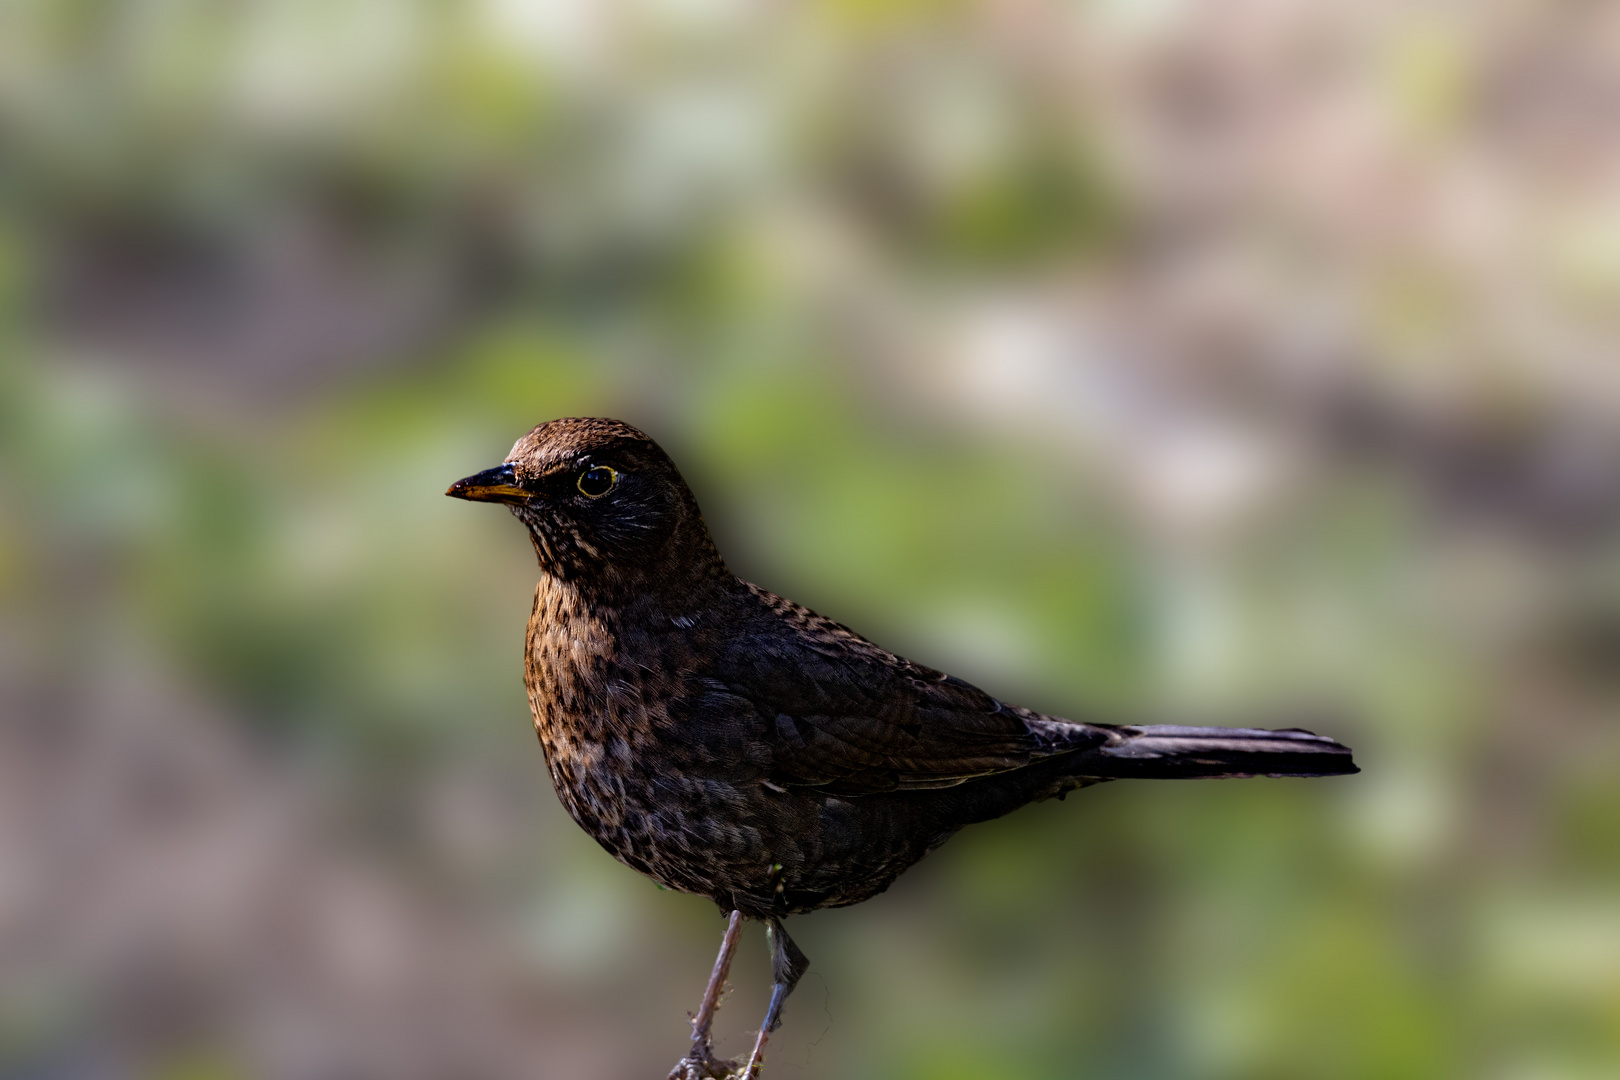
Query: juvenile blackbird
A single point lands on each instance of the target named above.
(733, 744)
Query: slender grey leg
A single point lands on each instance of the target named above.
(717, 982)
(788, 966)
(700, 1062)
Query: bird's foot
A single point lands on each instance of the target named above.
(700, 1064)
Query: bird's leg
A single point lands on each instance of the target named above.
(717, 984)
(788, 966)
(699, 1063)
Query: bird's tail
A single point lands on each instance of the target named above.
(1167, 751)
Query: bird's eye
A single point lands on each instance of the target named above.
(597, 481)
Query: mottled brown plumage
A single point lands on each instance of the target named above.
(733, 744)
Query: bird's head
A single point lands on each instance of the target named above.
(604, 505)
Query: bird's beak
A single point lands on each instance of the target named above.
(492, 485)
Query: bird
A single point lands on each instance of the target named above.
(730, 743)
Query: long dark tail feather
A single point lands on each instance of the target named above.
(1166, 751)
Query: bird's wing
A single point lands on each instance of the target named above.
(844, 715)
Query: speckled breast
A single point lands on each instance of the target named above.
(617, 761)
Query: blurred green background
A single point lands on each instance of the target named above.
(1199, 360)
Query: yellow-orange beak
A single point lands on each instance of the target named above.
(492, 485)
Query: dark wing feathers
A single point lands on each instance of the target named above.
(849, 717)
(841, 715)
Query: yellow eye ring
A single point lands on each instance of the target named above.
(597, 481)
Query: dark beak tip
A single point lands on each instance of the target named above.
(499, 484)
